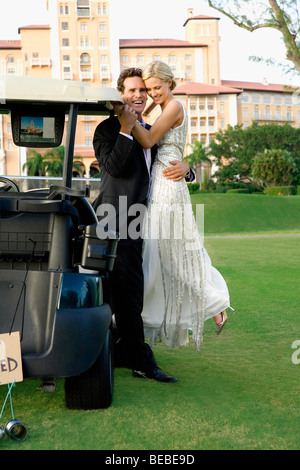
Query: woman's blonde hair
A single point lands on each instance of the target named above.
(161, 70)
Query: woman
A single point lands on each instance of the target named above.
(182, 289)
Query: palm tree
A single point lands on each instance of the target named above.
(197, 157)
(55, 162)
(36, 166)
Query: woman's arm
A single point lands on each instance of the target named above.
(171, 116)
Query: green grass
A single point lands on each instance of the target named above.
(239, 392)
(251, 213)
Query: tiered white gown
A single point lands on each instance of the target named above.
(182, 288)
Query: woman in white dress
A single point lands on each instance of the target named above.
(182, 288)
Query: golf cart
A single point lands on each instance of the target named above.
(52, 261)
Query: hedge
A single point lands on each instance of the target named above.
(281, 190)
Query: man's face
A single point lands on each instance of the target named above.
(135, 94)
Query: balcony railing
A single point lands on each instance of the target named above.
(86, 75)
(274, 118)
(40, 62)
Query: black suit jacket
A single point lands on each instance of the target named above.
(123, 168)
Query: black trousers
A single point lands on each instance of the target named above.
(126, 291)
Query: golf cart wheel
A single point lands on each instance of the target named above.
(94, 388)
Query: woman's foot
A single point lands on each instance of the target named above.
(220, 324)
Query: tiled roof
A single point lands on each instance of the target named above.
(10, 44)
(154, 43)
(257, 86)
(34, 26)
(203, 89)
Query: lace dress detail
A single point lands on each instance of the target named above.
(181, 289)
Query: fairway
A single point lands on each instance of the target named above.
(239, 392)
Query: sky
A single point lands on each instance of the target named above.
(164, 19)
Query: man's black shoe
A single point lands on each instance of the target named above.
(155, 374)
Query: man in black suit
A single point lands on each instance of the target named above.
(125, 175)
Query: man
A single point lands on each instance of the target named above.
(125, 175)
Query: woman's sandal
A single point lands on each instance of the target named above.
(221, 325)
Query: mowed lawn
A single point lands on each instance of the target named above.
(241, 391)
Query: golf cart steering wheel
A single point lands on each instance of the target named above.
(8, 184)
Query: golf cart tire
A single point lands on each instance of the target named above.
(94, 388)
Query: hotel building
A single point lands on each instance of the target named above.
(80, 43)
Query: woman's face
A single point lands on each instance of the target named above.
(158, 89)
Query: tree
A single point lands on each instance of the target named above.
(197, 157)
(282, 15)
(54, 161)
(235, 148)
(35, 164)
(274, 167)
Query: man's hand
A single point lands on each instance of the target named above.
(127, 118)
(177, 171)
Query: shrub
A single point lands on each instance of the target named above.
(280, 190)
(238, 190)
(193, 187)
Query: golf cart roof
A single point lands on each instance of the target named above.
(22, 90)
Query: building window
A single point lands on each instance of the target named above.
(288, 99)
(65, 26)
(245, 97)
(202, 106)
(83, 26)
(88, 141)
(221, 107)
(256, 113)
(125, 58)
(267, 113)
(193, 122)
(85, 59)
(187, 57)
(210, 105)
(88, 127)
(141, 58)
(66, 58)
(188, 70)
(65, 42)
(157, 57)
(102, 26)
(255, 98)
(222, 123)
(277, 99)
(288, 115)
(104, 58)
(103, 42)
(202, 122)
(193, 106)
(267, 98)
(211, 122)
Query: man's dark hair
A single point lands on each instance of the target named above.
(128, 73)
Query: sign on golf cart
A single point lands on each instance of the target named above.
(10, 358)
